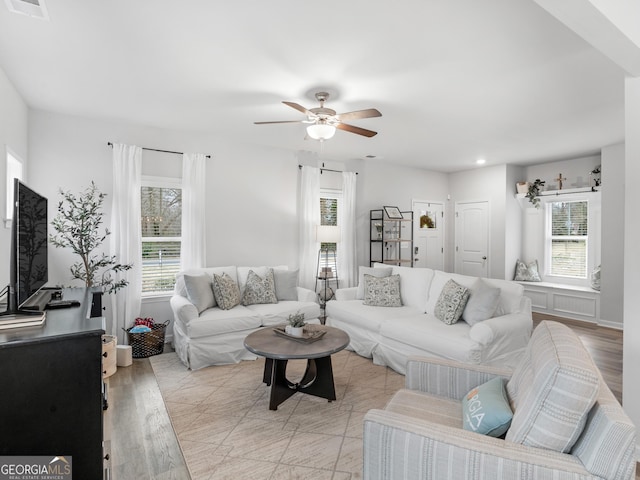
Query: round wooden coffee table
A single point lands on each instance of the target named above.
(278, 350)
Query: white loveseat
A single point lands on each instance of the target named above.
(205, 334)
(390, 335)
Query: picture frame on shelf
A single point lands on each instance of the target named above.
(393, 213)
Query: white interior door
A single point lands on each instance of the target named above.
(472, 239)
(428, 235)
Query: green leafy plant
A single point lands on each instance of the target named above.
(78, 227)
(296, 320)
(534, 191)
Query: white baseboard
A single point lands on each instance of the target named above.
(609, 324)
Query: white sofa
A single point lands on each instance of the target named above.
(390, 335)
(206, 335)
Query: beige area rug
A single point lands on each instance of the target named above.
(224, 426)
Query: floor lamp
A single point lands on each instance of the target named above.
(327, 262)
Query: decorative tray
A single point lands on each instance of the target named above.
(308, 336)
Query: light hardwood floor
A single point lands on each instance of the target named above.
(144, 446)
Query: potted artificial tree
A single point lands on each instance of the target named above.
(78, 226)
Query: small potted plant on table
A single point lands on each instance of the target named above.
(296, 324)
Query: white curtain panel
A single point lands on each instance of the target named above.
(126, 235)
(193, 248)
(347, 268)
(309, 206)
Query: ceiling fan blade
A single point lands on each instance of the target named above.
(358, 130)
(279, 121)
(368, 113)
(298, 107)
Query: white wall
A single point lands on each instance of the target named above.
(381, 184)
(251, 192)
(575, 170)
(612, 223)
(622, 13)
(612, 240)
(14, 128)
(513, 221)
(631, 345)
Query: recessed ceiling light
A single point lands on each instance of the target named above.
(481, 161)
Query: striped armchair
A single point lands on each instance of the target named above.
(560, 404)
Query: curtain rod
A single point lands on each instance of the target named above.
(156, 150)
(322, 169)
(555, 193)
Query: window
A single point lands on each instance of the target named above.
(161, 224)
(329, 216)
(567, 239)
(14, 170)
(329, 204)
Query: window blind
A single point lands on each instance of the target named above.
(569, 235)
(161, 223)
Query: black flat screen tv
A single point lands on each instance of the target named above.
(29, 247)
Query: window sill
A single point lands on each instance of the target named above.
(559, 286)
(156, 297)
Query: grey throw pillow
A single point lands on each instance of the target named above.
(451, 302)
(226, 291)
(482, 303)
(286, 284)
(200, 291)
(527, 272)
(382, 292)
(259, 289)
(376, 272)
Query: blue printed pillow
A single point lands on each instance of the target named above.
(486, 410)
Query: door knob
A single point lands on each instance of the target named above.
(484, 258)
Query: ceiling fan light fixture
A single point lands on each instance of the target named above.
(321, 131)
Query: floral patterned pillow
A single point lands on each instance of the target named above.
(258, 289)
(451, 302)
(527, 272)
(226, 291)
(382, 292)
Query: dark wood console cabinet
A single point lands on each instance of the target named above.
(51, 388)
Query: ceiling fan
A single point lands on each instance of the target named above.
(324, 121)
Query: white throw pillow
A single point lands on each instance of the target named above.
(200, 290)
(286, 284)
(482, 303)
(414, 284)
(378, 272)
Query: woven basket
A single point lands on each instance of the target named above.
(147, 344)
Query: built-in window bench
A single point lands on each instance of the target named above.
(570, 301)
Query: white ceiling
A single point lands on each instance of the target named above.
(455, 80)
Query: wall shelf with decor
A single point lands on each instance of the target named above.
(391, 237)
